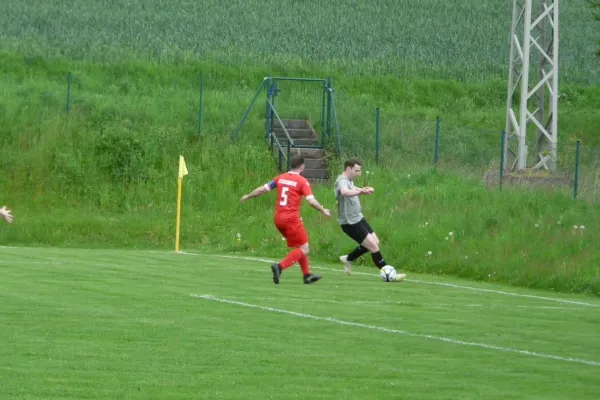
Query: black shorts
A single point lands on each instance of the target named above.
(358, 231)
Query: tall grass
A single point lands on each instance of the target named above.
(106, 176)
(465, 40)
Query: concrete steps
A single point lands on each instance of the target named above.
(302, 134)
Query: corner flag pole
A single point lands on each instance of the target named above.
(182, 172)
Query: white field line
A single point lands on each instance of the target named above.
(451, 285)
(397, 332)
(289, 298)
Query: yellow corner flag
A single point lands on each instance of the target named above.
(182, 168)
(182, 172)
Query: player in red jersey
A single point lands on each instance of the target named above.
(291, 187)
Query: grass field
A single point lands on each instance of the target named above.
(131, 324)
(95, 304)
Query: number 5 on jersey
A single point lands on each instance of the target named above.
(284, 197)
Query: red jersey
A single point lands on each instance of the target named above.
(291, 187)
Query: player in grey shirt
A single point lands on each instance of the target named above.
(349, 209)
(352, 220)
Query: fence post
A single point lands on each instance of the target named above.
(325, 92)
(68, 95)
(268, 121)
(437, 141)
(502, 143)
(576, 180)
(200, 104)
(377, 133)
(329, 83)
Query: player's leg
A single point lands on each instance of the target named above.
(376, 256)
(370, 230)
(300, 238)
(371, 242)
(290, 259)
(304, 264)
(287, 230)
(307, 276)
(296, 238)
(357, 233)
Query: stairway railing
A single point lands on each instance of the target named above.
(335, 119)
(280, 152)
(270, 128)
(328, 116)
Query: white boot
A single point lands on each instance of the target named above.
(347, 264)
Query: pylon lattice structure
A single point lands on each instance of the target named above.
(533, 85)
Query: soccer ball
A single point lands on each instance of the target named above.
(387, 273)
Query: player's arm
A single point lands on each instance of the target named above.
(259, 191)
(343, 190)
(6, 215)
(310, 198)
(353, 192)
(317, 206)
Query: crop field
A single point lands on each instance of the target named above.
(459, 39)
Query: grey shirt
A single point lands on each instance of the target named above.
(349, 210)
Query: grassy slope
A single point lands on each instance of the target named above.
(114, 163)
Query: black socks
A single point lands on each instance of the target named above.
(378, 260)
(359, 251)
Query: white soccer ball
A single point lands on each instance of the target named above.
(387, 273)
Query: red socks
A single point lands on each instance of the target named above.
(291, 258)
(304, 265)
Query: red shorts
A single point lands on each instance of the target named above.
(293, 231)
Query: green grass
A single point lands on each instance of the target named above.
(97, 305)
(456, 39)
(512, 237)
(94, 324)
(105, 177)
